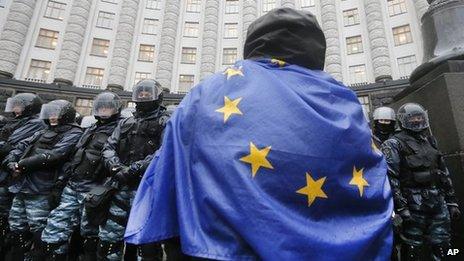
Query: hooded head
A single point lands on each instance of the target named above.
(287, 34)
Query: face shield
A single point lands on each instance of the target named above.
(416, 121)
(106, 105)
(51, 113)
(146, 90)
(15, 106)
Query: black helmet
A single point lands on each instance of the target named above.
(147, 90)
(24, 104)
(413, 116)
(106, 105)
(61, 109)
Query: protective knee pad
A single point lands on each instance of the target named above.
(106, 248)
(150, 252)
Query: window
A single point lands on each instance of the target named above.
(307, 3)
(406, 65)
(193, 6)
(358, 74)
(364, 100)
(110, 1)
(55, 10)
(185, 83)
(402, 35)
(84, 106)
(146, 53)
(47, 39)
(232, 6)
(268, 5)
(351, 17)
(229, 55)
(39, 70)
(149, 26)
(189, 55)
(191, 29)
(94, 76)
(140, 76)
(2, 3)
(396, 7)
(153, 4)
(231, 30)
(100, 47)
(354, 45)
(105, 19)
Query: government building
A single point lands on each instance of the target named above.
(74, 49)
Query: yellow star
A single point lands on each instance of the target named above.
(257, 158)
(313, 189)
(230, 107)
(278, 62)
(358, 180)
(233, 71)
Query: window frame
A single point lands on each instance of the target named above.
(100, 46)
(111, 20)
(37, 68)
(151, 57)
(43, 38)
(61, 11)
(185, 54)
(350, 42)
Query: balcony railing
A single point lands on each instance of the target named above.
(91, 86)
(34, 80)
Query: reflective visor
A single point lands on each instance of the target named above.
(50, 111)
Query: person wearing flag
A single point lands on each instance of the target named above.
(271, 159)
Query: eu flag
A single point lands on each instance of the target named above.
(270, 161)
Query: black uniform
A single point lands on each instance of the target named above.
(422, 191)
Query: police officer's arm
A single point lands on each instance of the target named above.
(58, 154)
(446, 184)
(20, 148)
(110, 157)
(391, 149)
(22, 133)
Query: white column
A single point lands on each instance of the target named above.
(378, 40)
(168, 43)
(209, 41)
(421, 7)
(14, 35)
(333, 60)
(71, 48)
(122, 45)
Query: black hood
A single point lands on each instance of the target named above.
(287, 34)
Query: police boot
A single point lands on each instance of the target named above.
(19, 244)
(50, 250)
(3, 234)
(38, 247)
(106, 248)
(173, 250)
(150, 252)
(439, 252)
(90, 246)
(409, 252)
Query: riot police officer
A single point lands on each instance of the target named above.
(127, 154)
(84, 171)
(25, 108)
(384, 124)
(422, 189)
(35, 164)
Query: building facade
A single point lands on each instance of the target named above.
(101, 44)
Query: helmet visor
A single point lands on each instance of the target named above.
(105, 105)
(15, 105)
(416, 121)
(145, 93)
(50, 112)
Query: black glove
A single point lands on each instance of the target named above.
(33, 163)
(405, 214)
(123, 175)
(12, 166)
(454, 212)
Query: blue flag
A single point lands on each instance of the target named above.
(267, 161)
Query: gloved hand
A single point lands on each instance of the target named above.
(12, 166)
(454, 212)
(123, 175)
(405, 214)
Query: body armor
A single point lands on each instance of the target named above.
(139, 138)
(87, 160)
(419, 169)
